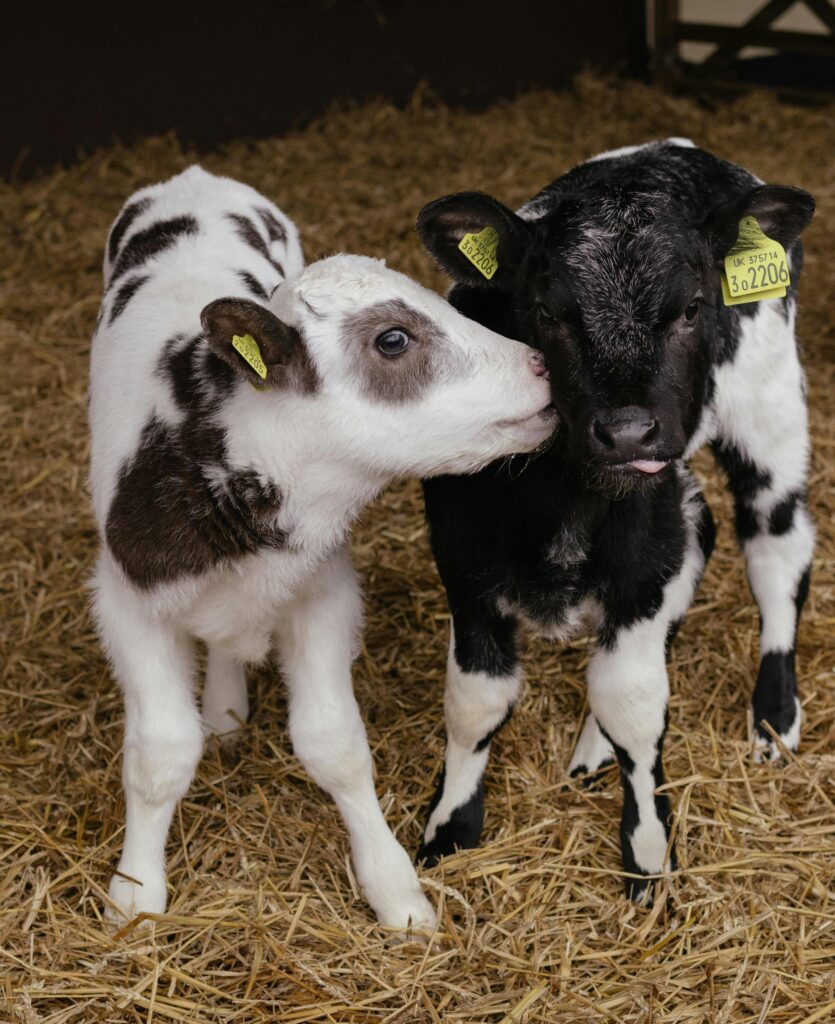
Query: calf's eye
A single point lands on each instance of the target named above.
(692, 310)
(545, 313)
(392, 343)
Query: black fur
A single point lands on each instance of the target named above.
(127, 217)
(275, 229)
(461, 832)
(774, 693)
(179, 508)
(253, 284)
(125, 294)
(746, 481)
(248, 233)
(151, 241)
(781, 517)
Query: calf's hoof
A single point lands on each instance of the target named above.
(391, 886)
(128, 899)
(407, 912)
(449, 831)
(785, 724)
(641, 890)
(223, 722)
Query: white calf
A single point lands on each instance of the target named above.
(223, 508)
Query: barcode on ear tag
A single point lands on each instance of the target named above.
(755, 268)
(248, 348)
(480, 250)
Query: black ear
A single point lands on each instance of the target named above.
(443, 223)
(275, 348)
(781, 211)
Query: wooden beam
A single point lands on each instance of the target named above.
(738, 38)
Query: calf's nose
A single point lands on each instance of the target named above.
(623, 435)
(538, 364)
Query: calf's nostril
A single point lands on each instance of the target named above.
(602, 435)
(651, 434)
(538, 365)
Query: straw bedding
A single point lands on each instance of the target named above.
(265, 921)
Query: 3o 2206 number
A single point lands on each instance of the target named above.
(766, 275)
(481, 258)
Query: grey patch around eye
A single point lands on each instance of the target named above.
(405, 378)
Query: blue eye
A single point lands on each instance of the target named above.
(392, 343)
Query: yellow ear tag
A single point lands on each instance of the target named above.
(480, 250)
(755, 268)
(248, 348)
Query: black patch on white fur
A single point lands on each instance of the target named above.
(275, 229)
(179, 510)
(253, 285)
(776, 687)
(781, 517)
(636, 888)
(125, 293)
(775, 692)
(248, 233)
(745, 480)
(462, 830)
(802, 592)
(126, 218)
(485, 741)
(151, 241)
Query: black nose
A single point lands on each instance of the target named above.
(623, 435)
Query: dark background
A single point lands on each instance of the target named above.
(77, 76)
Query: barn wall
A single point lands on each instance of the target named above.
(79, 75)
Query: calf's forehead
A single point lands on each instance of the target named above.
(622, 259)
(343, 285)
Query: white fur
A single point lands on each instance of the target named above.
(759, 407)
(592, 749)
(474, 704)
(329, 453)
(225, 703)
(629, 691)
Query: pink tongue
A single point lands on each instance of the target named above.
(647, 465)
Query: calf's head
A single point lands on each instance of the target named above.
(622, 294)
(383, 373)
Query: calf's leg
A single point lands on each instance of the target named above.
(317, 639)
(763, 446)
(225, 703)
(154, 664)
(628, 693)
(593, 751)
(482, 686)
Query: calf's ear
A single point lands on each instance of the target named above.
(257, 345)
(782, 212)
(442, 225)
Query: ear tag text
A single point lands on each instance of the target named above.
(248, 348)
(755, 268)
(480, 250)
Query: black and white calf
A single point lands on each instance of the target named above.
(223, 508)
(613, 271)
